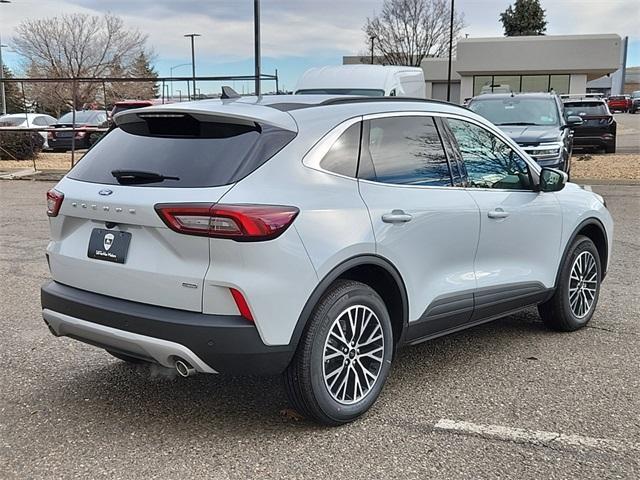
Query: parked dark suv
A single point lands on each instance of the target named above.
(534, 121)
(635, 101)
(598, 129)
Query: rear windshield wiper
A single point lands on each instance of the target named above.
(517, 123)
(126, 177)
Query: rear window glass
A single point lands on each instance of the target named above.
(90, 117)
(407, 151)
(225, 155)
(369, 92)
(585, 108)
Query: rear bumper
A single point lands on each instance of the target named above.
(606, 140)
(211, 343)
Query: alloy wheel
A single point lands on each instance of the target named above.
(353, 354)
(583, 284)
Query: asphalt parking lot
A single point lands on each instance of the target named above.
(537, 404)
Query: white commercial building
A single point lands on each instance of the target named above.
(562, 63)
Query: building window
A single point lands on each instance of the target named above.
(560, 83)
(521, 83)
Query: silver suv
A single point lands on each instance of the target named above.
(312, 236)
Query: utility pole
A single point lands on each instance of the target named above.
(373, 39)
(193, 60)
(2, 91)
(450, 53)
(256, 43)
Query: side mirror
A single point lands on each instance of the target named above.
(574, 121)
(552, 180)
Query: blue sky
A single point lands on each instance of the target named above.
(298, 34)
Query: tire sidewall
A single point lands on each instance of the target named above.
(580, 245)
(336, 411)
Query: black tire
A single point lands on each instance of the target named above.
(307, 389)
(125, 358)
(557, 313)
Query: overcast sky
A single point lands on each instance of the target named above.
(298, 34)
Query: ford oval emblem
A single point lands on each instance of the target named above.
(105, 192)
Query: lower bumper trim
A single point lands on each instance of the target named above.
(161, 351)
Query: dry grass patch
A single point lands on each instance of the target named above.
(617, 166)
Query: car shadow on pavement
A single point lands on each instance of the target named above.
(151, 397)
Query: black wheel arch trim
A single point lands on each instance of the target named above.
(576, 232)
(333, 275)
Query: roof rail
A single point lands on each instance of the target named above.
(343, 100)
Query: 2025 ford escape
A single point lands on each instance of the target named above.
(312, 236)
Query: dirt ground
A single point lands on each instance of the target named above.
(585, 165)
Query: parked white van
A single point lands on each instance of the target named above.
(370, 80)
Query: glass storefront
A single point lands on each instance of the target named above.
(521, 83)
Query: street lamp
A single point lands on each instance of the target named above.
(2, 94)
(373, 39)
(193, 59)
(171, 69)
(450, 53)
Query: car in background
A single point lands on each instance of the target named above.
(129, 105)
(61, 140)
(534, 121)
(28, 120)
(619, 103)
(598, 128)
(368, 80)
(635, 101)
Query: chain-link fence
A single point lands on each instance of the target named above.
(23, 138)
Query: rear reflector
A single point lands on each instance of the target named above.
(241, 303)
(54, 202)
(243, 223)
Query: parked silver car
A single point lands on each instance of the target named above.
(312, 236)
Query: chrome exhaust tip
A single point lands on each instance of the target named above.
(184, 369)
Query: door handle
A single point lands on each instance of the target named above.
(498, 213)
(396, 216)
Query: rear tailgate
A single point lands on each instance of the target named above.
(108, 238)
(161, 267)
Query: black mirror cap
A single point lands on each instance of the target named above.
(574, 121)
(552, 179)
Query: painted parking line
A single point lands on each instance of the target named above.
(534, 437)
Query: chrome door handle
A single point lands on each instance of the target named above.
(498, 213)
(396, 216)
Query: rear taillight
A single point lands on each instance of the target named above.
(244, 223)
(54, 202)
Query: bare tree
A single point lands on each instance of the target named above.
(408, 31)
(77, 45)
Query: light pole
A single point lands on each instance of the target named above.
(2, 94)
(373, 39)
(171, 69)
(193, 59)
(256, 44)
(450, 53)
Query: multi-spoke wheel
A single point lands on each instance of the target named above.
(344, 356)
(576, 296)
(583, 284)
(353, 354)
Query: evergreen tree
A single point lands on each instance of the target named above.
(525, 17)
(12, 93)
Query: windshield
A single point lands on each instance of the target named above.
(91, 117)
(635, 94)
(369, 92)
(517, 111)
(585, 108)
(11, 121)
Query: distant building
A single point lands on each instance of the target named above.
(562, 63)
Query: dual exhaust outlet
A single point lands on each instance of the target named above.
(184, 368)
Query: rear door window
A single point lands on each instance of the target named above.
(406, 151)
(212, 154)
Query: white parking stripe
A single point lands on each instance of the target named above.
(534, 437)
(587, 188)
